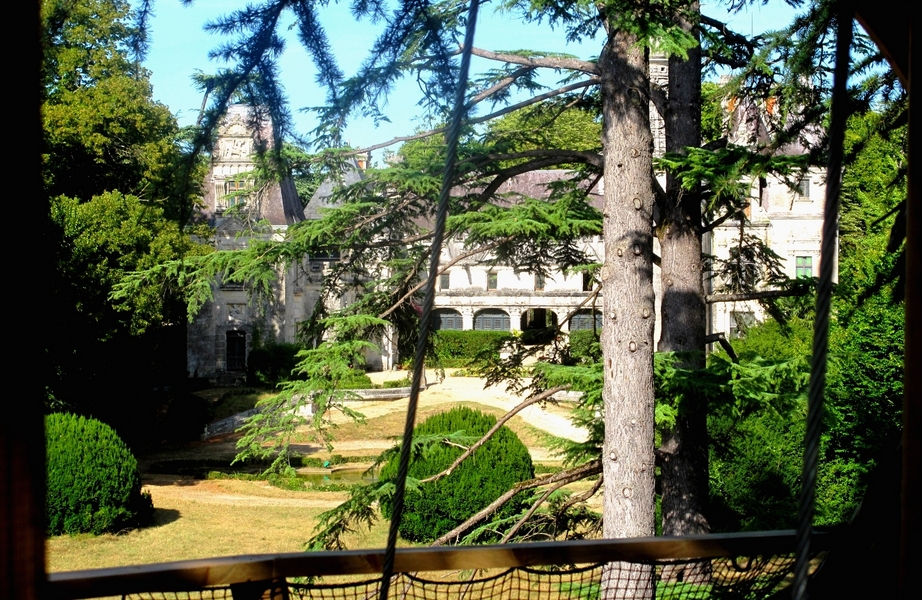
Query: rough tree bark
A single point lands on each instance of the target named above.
(627, 287)
(683, 456)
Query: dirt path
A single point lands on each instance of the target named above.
(551, 419)
(455, 389)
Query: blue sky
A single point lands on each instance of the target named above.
(180, 47)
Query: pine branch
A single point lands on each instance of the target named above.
(548, 158)
(732, 212)
(499, 423)
(499, 86)
(550, 62)
(531, 511)
(577, 498)
(474, 121)
(579, 156)
(451, 263)
(569, 476)
(743, 296)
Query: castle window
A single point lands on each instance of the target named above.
(444, 281)
(235, 192)
(492, 280)
(539, 282)
(803, 267)
(492, 319)
(446, 318)
(803, 189)
(586, 320)
(236, 351)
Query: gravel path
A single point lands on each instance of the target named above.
(454, 389)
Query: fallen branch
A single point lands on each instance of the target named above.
(569, 476)
(499, 423)
(577, 498)
(530, 512)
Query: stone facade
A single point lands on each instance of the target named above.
(220, 337)
(472, 294)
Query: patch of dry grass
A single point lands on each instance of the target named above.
(201, 519)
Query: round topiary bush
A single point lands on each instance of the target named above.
(93, 480)
(440, 506)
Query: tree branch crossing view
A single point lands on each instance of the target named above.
(633, 241)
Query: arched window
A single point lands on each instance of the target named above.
(583, 320)
(447, 318)
(492, 319)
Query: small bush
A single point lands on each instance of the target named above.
(397, 383)
(584, 346)
(93, 481)
(438, 507)
(358, 381)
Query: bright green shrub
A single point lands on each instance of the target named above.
(456, 348)
(357, 381)
(438, 507)
(584, 346)
(93, 480)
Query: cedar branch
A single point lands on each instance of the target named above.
(569, 476)
(743, 296)
(499, 423)
(550, 62)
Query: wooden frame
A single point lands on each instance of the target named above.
(190, 575)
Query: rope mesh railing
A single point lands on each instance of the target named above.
(742, 578)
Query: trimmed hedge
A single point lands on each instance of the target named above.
(93, 481)
(438, 507)
(456, 348)
(584, 346)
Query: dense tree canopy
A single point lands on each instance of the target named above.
(114, 168)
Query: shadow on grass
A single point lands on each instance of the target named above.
(164, 516)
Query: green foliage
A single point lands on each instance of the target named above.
(106, 237)
(319, 385)
(584, 346)
(865, 388)
(397, 383)
(545, 127)
(437, 507)
(271, 363)
(119, 184)
(758, 454)
(456, 348)
(102, 130)
(93, 481)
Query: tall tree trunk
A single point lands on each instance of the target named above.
(627, 289)
(684, 453)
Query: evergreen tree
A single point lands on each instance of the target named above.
(378, 221)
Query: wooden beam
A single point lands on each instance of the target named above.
(235, 570)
